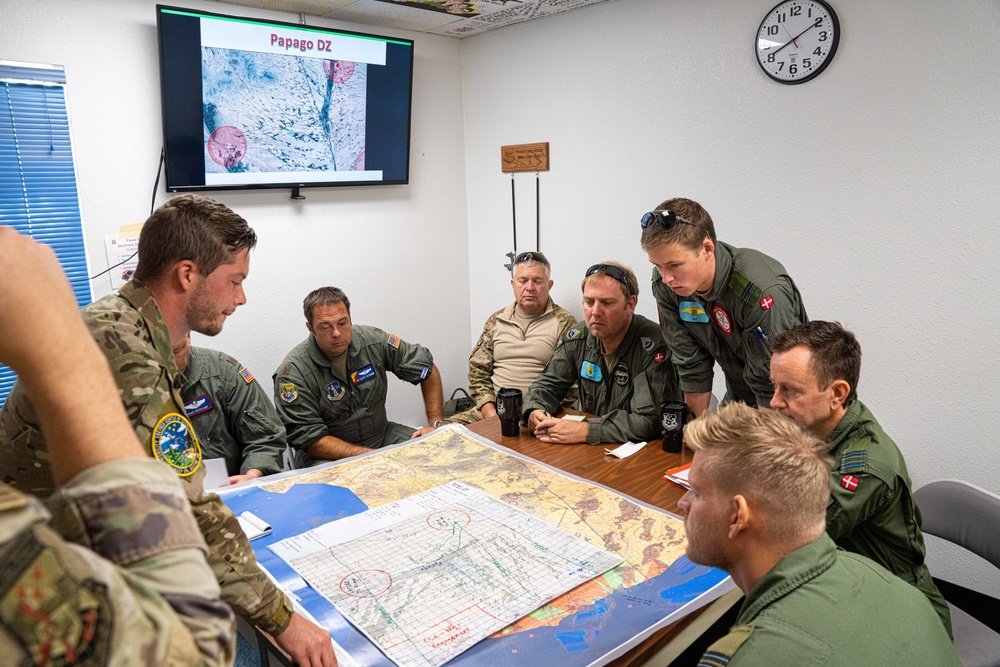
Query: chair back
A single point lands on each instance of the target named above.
(964, 514)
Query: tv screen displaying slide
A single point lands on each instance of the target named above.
(249, 103)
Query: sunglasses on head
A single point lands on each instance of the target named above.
(664, 218)
(614, 272)
(531, 256)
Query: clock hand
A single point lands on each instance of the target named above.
(790, 36)
(811, 26)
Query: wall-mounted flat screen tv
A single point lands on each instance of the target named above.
(249, 103)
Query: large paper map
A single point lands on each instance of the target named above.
(428, 577)
(594, 622)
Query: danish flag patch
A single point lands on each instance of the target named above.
(659, 356)
(766, 302)
(849, 482)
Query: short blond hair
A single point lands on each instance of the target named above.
(781, 469)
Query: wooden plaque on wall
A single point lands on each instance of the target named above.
(524, 157)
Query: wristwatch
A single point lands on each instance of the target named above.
(437, 423)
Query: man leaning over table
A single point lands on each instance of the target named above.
(518, 340)
(619, 360)
(330, 390)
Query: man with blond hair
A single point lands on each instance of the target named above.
(619, 362)
(756, 508)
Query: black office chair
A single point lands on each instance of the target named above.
(968, 516)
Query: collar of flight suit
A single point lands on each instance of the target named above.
(791, 572)
(723, 271)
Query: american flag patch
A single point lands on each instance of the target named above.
(246, 374)
(394, 340)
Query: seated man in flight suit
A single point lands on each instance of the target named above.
(619, 360)
(330, 389)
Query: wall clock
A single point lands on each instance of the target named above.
(797, 40)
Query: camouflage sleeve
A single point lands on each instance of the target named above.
(254, 422)
(138, 590)
(481, 365)
(566, 320)
(779, 309)
(695, 365)
(148, 395)
(655, 383)
(551, 385)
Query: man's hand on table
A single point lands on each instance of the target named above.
(252, 473)
(557, 431)
(489, 410)
(307, 643)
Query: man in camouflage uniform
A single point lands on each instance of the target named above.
(716, 303)
(193, 258)
(759, 488)
(517, 341)
(233, 417)
(330, 389)
(815, 369)
(116, 574)
(619, 361)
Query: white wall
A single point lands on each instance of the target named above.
(875, 184)
(398, 251)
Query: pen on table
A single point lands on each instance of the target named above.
(547, 416)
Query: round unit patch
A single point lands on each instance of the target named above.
(175, 443)
(722, 319)
(620, 373)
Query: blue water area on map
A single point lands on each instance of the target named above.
(578, 639)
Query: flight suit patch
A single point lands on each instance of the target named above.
(394, 341)
(335, 391)
(766, 302)
(659, 357)
(591, 371)
(620, 374)
(288, 393)
(196, 406)
(850, 482)
(647, 343)
(854, 461)
(424, 372)
(721, 652)
(246, 374)
(363, 375)
(572, 333)
(56, 618)
(722, 319)
(691, 311)
(174, 442)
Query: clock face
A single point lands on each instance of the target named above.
(797, 40)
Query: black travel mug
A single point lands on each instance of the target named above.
(509, 402)
(673, 415)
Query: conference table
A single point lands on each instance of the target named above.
(638, 476)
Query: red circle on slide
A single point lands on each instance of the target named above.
(359, 163)
(338, 71)
(448, 519)
(366, 583)
(227, 146)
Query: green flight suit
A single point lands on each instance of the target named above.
(872, 510)
(750, 291)
(821, 606)
(313, 400)
(123, 582)
(130, 330)
(627, 396)
(232, 415)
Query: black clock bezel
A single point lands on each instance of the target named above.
(826, 63)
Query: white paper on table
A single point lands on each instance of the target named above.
(628, 449)
(574, 418)
(253, 525)
(216, 474)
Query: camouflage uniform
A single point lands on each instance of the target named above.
(627, 397)
(313, 400)
(872, 510)
(232, 415)
(822, 606)
(138, 592)
(499, 340)
(130, 330)
(751, 291)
